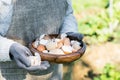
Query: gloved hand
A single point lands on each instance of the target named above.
(79, 36)
(21, 56)
(35, 70)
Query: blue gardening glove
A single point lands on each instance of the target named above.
(79, 36)
(21, 55)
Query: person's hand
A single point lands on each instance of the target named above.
(35, 70)
(21, 56)
(79, 36)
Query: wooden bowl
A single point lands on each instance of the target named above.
(66, 58)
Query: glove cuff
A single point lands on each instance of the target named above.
(4, 48)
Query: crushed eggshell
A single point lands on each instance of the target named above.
(35, 60)
(66, 42)
(75, 42)
(56, 51)
(42, 36)
(63, 36)
(76, 46)
(45, 51)
(59, 44)
(62, 44)
(43, 41)
(67, 49)
(51, 45)
(41, 47)
(36, 43)
(57, 40)
(46, 37)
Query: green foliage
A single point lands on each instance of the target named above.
(109, 73)
(117, 10)
(94, 24)
(80, 5)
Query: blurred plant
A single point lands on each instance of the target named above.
(109, 73)
(80, 5)
(117, 9)
(96, 25)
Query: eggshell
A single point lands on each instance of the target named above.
(46, 37)
(62, 36)
(59, 44)
(51, 45)
(43, 41)
(76, 46)
(41, 47)
(57, 40)
(35, 44)
(66, 42)
(67, 49)
(74, 50)
(42, 36)
(56, 51)
(45, 51)
(34, 61)
(31, 60)
(75, 42)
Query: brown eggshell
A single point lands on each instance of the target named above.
(62, 41)
(41, 47)
(59, 44)
(66, 41)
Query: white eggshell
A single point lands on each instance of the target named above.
(66, 42)
(76, 46)
(51, 45)
(75, 42)
(63, 36)
(36, 43)
(59, 44)
(31, 60)
(42, 36)
(57, 40)
(43, 41)
(56, 51)
(45, 51)
(35, 60)
(67, 49)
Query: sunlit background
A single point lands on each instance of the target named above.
(99, 21)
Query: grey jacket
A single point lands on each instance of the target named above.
(6, 9)
(26, 22)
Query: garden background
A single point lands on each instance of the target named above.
(99, 21)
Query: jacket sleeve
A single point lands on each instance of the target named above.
(5, 20)
(69, 24)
